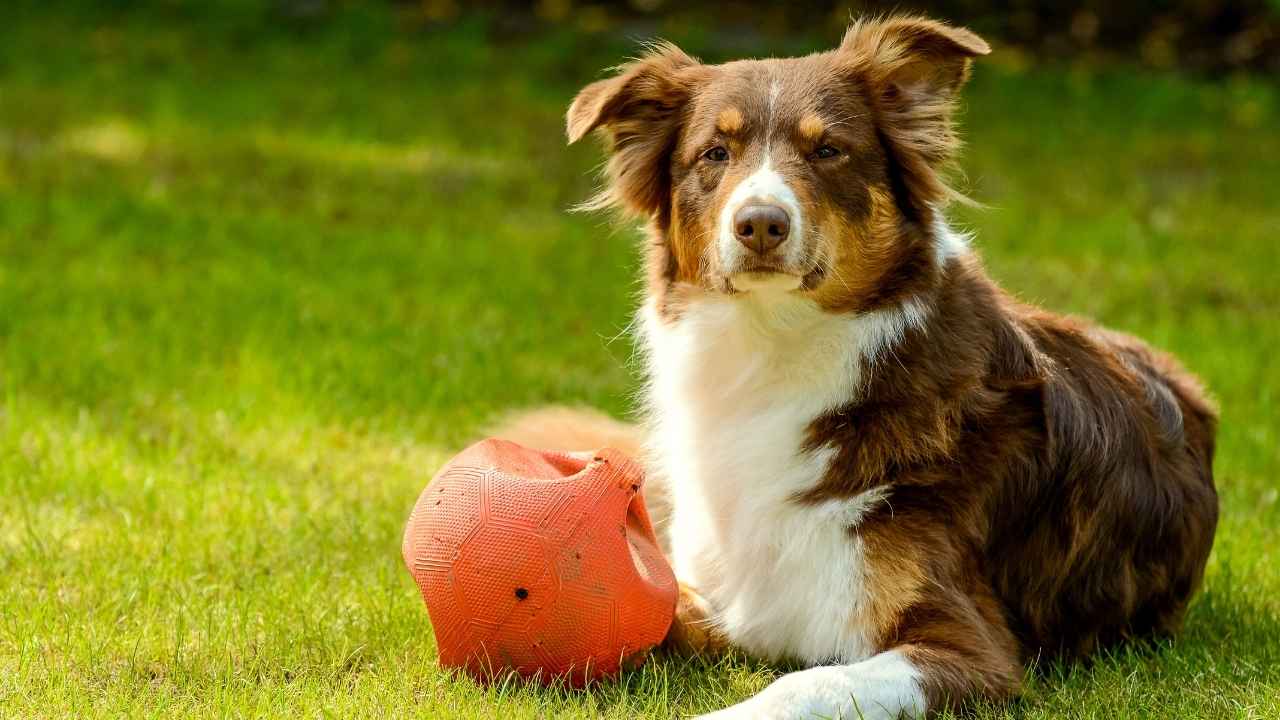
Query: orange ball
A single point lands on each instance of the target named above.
(541, 563)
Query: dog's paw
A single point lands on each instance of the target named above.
(693, 631)
(882, 687)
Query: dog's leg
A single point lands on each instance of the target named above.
(884, 687)
(946, 655)
(693, 631)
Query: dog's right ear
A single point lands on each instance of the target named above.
(640, 109)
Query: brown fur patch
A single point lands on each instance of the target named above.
(729, 121)
(899, 576)
(1040, 445)
(811, 127)
(888, 260)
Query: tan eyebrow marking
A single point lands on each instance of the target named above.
(812, 127)
(729, 120)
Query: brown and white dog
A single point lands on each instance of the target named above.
(879, 465)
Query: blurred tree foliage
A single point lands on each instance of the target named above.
(1213, 36)
(1203, 35)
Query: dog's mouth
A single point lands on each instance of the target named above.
(766, 278)
(764, 281)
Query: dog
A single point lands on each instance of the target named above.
(871, 461)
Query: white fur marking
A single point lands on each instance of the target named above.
(774, 89)
(948, 243)
(734, 385)
(762, 186)
(884, 687)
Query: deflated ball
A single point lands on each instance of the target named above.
(540, 563)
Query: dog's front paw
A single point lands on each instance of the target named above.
(693, 631)
(880, 688)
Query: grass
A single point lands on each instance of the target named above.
(257, 280)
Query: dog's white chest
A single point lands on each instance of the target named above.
(732, 395)
(787, 580)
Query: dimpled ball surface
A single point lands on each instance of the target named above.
(540, 563)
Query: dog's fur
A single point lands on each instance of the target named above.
(878, 464)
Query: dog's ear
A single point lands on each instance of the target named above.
(913, 69)
(640, 109)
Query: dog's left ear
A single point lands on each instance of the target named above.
(640, 110)
(915, 56)
(913, 69)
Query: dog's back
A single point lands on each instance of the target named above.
(1114, 540)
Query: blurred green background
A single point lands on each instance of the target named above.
(263, 266)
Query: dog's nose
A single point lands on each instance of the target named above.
(761, 227)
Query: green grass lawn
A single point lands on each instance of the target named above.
(258, 281)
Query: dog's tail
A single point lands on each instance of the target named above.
(568, 429)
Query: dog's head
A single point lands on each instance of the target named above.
(817, 175)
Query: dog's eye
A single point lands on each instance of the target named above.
(716, 154)
(825, 152)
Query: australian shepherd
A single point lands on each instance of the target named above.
(871, 460)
